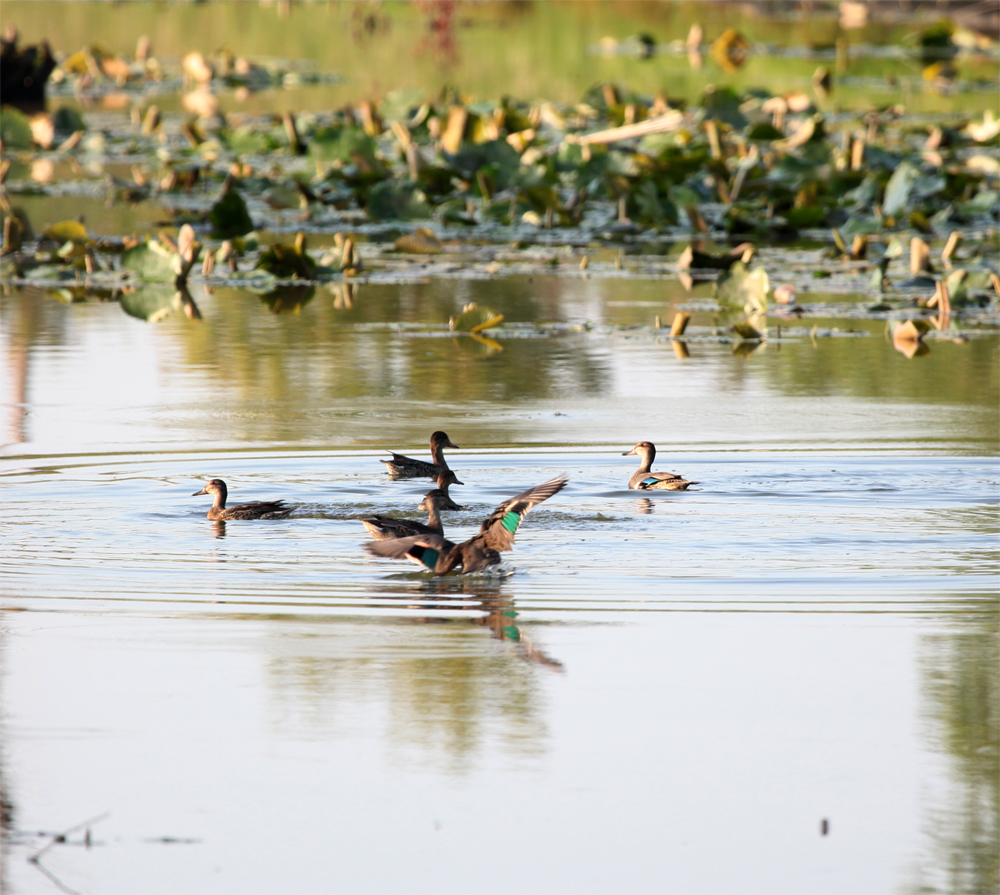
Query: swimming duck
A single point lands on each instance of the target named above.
(259, 509)
(385, 528)
(644, 480)
(496, 534)
(400, 467)
(445, 478)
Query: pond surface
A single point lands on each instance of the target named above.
(653, 680)
(782, 680)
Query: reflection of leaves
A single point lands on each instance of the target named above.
(478, 346)
(151, 303)
(287, 299)
(229, 217)
(739, 287)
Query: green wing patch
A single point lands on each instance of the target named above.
(511, 520)
(426, 556)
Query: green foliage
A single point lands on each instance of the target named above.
(229, 217)
(15, 130)
(398, 200)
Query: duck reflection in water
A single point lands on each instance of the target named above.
(483, 595)
(643, 505)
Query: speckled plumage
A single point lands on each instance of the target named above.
(259, 509)
(645, 480)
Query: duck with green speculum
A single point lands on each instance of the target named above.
(645, 480)
(439, 555)
(400, 467)
(385, 528)
(258, 509)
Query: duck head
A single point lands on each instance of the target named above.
(216, 487)
(441, 440)
(642, 449)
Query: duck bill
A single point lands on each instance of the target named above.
(457, 482)
(196, 493)
(450, 444)
(628, 453)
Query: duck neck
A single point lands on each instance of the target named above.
(437, 455)
(645, 462)
(220, 500)
(433, 517)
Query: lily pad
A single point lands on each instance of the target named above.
(898, 189)
(286, 262)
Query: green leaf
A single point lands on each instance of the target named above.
(343, 144)
(475, 318)
(285, 262)
(739, 287)
(65, 231)
(898, 189)
(68, 120)
(398, 200)
(724, 103)
(15, 129)
(229, 217)
(152, 261)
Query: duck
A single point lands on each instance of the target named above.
(385, 528)
(496, 535)
(445, 478)
(644, 480)
(400, 467)
(259, 509)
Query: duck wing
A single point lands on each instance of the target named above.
(387, 527)
(400, 467)
(424, 550)
(663, 480)
(498, 530)
(258, 509)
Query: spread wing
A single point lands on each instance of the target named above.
(424, 550)
(499, 529)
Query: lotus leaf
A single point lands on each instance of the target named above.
(739, 287)
(66, 231)
(15, 129)
(152, 261)
(398, 200)
(229, 217)
(899, 188)
(474, 319)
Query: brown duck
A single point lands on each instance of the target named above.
(385, 528)
(400, 467)
(446, 478)
(496, 534)
(644, 480)
(259, 509)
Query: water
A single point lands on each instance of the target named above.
(780, 681)
(651, 681)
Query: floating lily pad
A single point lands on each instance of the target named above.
(66, 231)
(286, 262)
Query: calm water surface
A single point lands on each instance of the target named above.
(664, 693)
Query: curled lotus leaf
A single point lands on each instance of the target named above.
(66, 231)
(229, 217)
(475, 318)
(739, 287)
